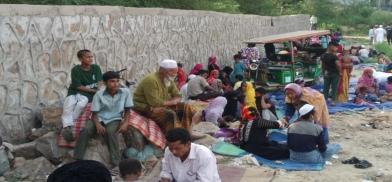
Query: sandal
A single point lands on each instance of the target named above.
(363, 164)
(352, 160)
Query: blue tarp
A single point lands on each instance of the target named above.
(340, 107)
(280, 137)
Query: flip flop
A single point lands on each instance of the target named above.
(352, 160)
(363, 164)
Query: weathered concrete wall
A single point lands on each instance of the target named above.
(38, 46)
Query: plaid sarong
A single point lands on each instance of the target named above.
(79, 124)
(146, 126)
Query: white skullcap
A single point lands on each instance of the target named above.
(168, 63)
(305, 109)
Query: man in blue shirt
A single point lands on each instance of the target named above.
(111, 109)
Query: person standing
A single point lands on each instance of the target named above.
(389, 34)
(380, 34)
(346, 66)
(249, 53)
(330, 71)
(371, 35)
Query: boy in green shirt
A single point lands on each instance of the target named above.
(84, 83)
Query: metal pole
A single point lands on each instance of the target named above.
(292, 61)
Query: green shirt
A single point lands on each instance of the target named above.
(80, 77)
(152, 92)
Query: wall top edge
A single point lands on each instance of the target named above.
(69, 10)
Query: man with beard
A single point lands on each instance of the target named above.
(157, 97)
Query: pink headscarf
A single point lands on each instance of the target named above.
(195, 70)
(212, 60)
(366, 80)
(297, 89)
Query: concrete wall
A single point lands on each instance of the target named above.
(38, 46)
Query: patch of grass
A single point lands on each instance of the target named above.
(384, 47)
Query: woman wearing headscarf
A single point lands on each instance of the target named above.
(213, 112)
(367, 80)
(296, 97)
(212, 63)
(254, 139)
(214, 74)
(181, 76)
(346, 67)
(195, 70)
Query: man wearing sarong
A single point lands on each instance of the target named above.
(157, 97)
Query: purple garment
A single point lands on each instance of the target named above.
(214, 110)
(230, 135)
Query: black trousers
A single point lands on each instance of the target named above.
(270, 150)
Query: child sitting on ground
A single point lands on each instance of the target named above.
(388, 91)
(130, 170)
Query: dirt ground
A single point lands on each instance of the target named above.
(366, 135)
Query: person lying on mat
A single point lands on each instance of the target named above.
(305, 138)
(253, 135)
(187, 161)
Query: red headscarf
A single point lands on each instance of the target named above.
(211, 78)
(195, 70)
(181, 78)
(212, 60)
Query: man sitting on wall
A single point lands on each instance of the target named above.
(157, 97)
(84, 83)
(111, 109)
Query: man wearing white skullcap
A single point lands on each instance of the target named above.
(305, 138)
(157, 97)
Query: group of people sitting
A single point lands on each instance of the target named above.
(156, 97)
(337, 68)
(164, 97)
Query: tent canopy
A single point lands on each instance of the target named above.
(291, 36)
